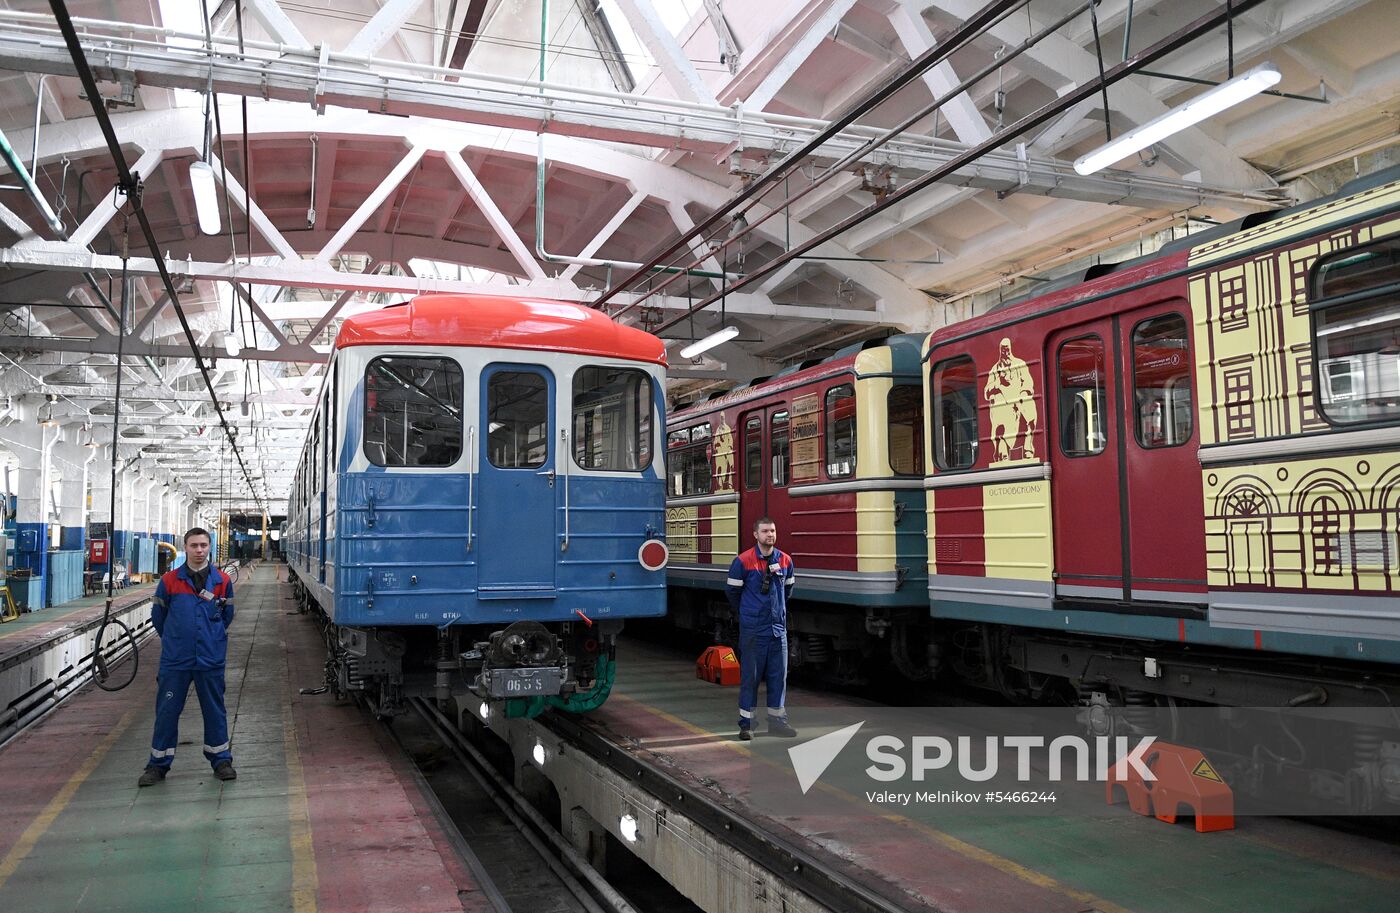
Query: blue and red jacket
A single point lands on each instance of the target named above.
(756, 610)
(193, 630)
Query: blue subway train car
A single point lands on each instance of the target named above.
(480, 501)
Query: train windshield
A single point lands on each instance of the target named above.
(612, 419)
(413, 411)
(1356, 304)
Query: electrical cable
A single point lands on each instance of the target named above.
(132, 188)
(100, 672)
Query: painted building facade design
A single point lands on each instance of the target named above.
(1315, 522)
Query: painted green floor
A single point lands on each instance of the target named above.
(190, 843)
(1137, 863)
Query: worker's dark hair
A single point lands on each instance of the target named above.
(762, 520)
(198, 531)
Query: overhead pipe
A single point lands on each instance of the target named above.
(539, 192)
(26, 183)
(1118, 72)
(875, 143)
(985, 18)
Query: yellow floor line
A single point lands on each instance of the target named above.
(304, 878)
(961, 847)
(40, 825)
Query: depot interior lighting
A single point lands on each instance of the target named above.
(231, 345)
(1226, 95)
(709, 342)
(206, 199)
(627, 826)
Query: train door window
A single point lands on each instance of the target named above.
(1355, 298)
(1162, 382)
(779, 448)
(904, 409)
(753, 454)
(612, 419)
(841, 432)
(517, 407)
(688, 461)
(413, 411)
(1083, 419)
(955, 413)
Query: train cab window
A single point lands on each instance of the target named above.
(780, 448)
(612, 419)
(517, 410)
(413, 411)
(955, 413)
(1162, 382)
(753, 454)
(688, 461)
(1083, 425)
(840, 432)
(905, 411)
(1355, 297)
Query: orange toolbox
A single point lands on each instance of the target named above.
(718, 665)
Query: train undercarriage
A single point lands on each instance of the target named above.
(527, 666)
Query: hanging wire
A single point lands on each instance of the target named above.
(101, 672)
(1098, 55)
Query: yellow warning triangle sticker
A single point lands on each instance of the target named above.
(1206, 772)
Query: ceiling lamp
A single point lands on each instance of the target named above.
(1226, 95)
(231, 345)
(709, 342)
(206, 200)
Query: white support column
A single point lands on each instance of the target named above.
(71, 467)
(31, 443)
(260, 221)
(504, 230)
(100, 484)
(371, 203)
(607, 231)
(107, 209)
(376, 33)
(271, 17)
(778, 76)
(913, 31)
(679, 70)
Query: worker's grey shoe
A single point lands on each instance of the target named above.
(781, 729)
(151, 776)
(745, 734)
(224, 771)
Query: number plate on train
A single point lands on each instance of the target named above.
(523, 682)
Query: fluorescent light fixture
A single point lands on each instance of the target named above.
(1226, 95)
(627, 825)
(709, 342)
(206, 200)
(231, 345)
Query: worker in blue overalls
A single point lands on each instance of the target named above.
(191, 611)
(760, 581)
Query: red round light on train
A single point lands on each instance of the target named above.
(653, 554)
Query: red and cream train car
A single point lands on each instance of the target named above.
(832, 450)
(1189, 461)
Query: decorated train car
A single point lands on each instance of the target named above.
(480, 501)
(832, 450)
(1179, 478)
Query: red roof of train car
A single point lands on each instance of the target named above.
(501, 322)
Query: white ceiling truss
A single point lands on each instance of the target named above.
(390, 151)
